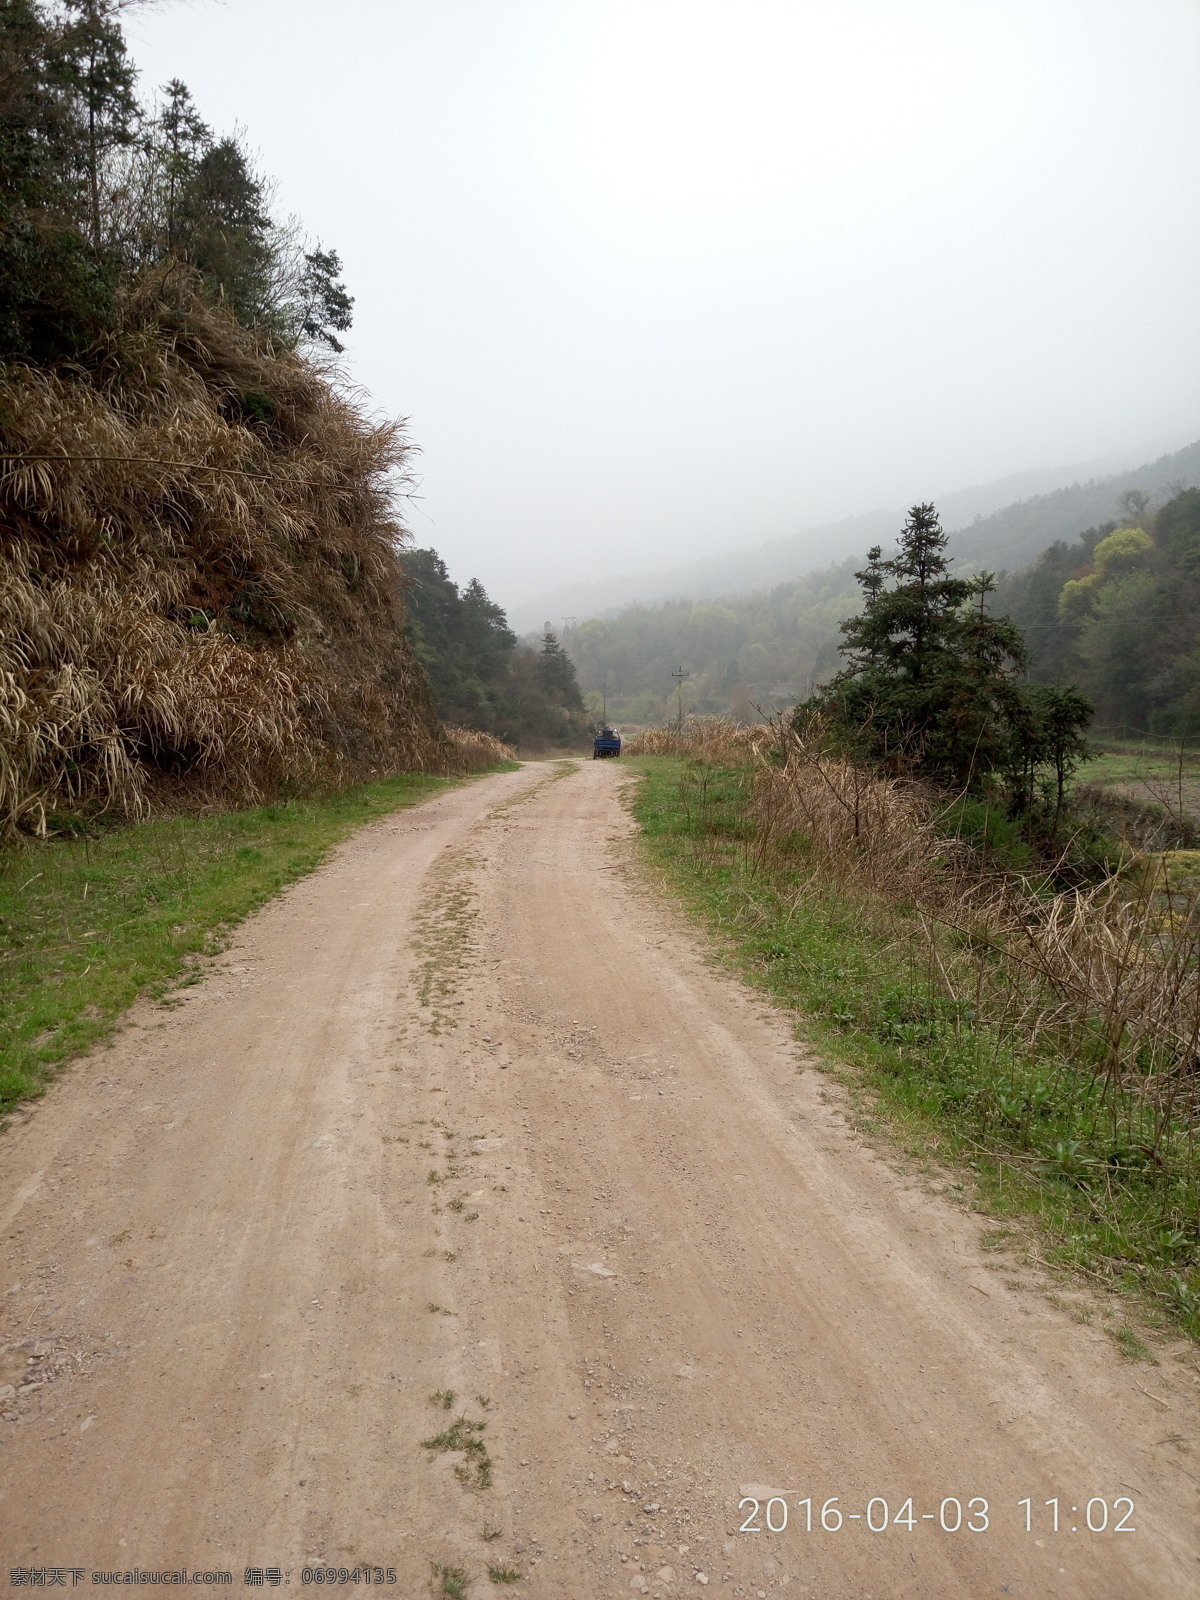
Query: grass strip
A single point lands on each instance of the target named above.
(89, 922)
(924, 1070)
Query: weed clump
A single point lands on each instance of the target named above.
(463, 1437)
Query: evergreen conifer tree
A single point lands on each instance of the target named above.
(933, 685)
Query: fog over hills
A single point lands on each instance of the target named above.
(1001, 525)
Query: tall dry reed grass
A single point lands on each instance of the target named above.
(470, 750)
(1102, 979)
(199, 588)
(1105, 977)
(704, 739)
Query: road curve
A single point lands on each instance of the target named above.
(470, 1112)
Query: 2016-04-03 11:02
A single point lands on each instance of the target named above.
(952, 1516)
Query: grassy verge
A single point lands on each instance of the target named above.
(1045, 1153)
(89, 923)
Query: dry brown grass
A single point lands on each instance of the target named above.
(469, 750)
(1106, 976)
(714, 739)
(199, 591)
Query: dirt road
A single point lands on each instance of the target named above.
(471, 1110)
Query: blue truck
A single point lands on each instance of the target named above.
(606, 743)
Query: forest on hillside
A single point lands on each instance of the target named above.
(1127, 634)
(481, 674)
(1117, 610)
(200, 588)
(745, 651)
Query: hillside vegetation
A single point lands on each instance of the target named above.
(1116, 609)
(765, 649)
(1003, 525)
(770, 648)
(482, 675)
(200, 589)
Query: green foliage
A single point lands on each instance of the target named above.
(556, 673)
(932, 687)
(326, 308)
(1117, 556)
(96, 187)
(55, 287)
(762, 649)
(223, 229)
(1116, 610)
(482, 676)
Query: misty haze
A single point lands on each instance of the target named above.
(600, 797)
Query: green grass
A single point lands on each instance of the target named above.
(451, 1581)
(1041, 1144)
(1128, 765)
(464, 1437)
(88, 922)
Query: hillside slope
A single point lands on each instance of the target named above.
(199, 584)
(1003, 524)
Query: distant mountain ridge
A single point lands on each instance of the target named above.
(1013, 519)
(1017, 534)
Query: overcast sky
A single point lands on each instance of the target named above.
(658, 278)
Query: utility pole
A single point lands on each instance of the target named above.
(604, 703)
(569, 622)
(679, 676)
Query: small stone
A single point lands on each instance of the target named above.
(26, 1388)
(702, 1577)
(665, 1574)
(7, 1391)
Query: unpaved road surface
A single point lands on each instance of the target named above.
(472, 1110)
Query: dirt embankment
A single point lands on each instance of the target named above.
(469, 1114)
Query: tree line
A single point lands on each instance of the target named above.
(1116, 611)
(764, 649)
(481, 674)
(1112, 610)
(96, 185)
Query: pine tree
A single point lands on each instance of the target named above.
(225, 230)
(556, 672)
(933, 681)
(93, 63)
(182, 138)
(325, 307)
